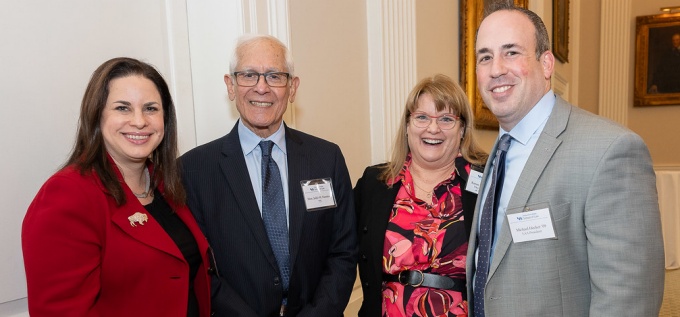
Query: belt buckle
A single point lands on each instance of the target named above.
(422, 278)
(282, 311)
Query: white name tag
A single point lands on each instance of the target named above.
(318, 194)
(531, 225)
(473, 182)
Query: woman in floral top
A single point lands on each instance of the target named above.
(414, 213)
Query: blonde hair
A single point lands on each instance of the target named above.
(447, 95)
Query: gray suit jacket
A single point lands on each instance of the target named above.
(607, 259)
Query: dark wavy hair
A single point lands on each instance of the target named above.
(89, 151)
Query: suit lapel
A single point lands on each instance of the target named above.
(478, 206)
(150, 232)
(236, 173)
(381, 208)
(298, 170)
(472, 241)
(545, 148)
(185, 215)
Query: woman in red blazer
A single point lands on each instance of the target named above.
(109, 234)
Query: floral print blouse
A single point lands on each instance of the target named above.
(429, 236)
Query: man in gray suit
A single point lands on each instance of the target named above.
(577, 230)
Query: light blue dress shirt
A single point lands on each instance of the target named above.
(253, 154)
(524, 137)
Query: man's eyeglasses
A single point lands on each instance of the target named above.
(273, 79)
(423, 120)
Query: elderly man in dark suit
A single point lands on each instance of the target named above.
(275, 204)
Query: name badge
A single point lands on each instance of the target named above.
(474, 180)
(531, 225)
(318, 194)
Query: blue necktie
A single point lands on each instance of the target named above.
(274, 211)
(486, 227)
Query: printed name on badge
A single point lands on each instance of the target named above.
(474, 180)
(318, 194)
(531, 225)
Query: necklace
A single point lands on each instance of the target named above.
(148, 185)
(428, 193)
(414, 175)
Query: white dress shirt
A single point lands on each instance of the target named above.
(253, 154)
(524, 137)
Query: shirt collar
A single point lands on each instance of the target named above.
(249, 140)
(534, 120)
(402, 176)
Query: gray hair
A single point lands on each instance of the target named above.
(252, 38)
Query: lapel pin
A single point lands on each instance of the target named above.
(139, 218)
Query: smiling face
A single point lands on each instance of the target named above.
(432, 147)
(261, 107)
(132, 120)
(511, 79)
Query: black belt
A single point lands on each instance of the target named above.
(417, 278)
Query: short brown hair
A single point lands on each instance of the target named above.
(541, 33)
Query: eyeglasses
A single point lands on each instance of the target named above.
(423, 120)
(250, 79)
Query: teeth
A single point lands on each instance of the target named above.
(137, 137)
(501, 89)
(432, 141)
(260, 104)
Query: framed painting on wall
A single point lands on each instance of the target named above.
(657, 60)
(472, 14)
(561, 30)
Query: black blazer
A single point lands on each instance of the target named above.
(374, 201)
(322, 243)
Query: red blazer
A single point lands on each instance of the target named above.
(84, 258)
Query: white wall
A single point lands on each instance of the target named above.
(47, 56)
(48, 52)
(48, 49)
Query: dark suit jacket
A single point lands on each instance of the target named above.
(83, 258)
(374, 201)
(322, 243)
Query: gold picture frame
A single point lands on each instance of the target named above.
(561, 30)
(654, 83)
(472, 14)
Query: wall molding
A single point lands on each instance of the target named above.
(575, 47)
(615, 65)
(660, 168)
(560, 86)
(269, 17)
(392, 68)
(179, 64)
(266, 17)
